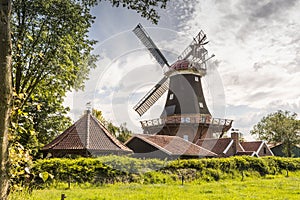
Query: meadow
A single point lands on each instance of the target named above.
(270, 187)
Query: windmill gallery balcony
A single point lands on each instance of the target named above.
(186, 120)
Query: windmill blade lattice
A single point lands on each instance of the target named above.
(152, 96)
(140, 32)
(195, 51)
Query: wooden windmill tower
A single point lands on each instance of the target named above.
(185, 113)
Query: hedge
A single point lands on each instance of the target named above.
(111, 169)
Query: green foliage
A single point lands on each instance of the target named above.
(212, 169)
(98, 115)
(145, 7)
(154, 177)
(122, 133)
(279, 127)
(20, 162)
(132, 165)
(112, 169)
(37, 123)
(108, 169)
(45, 176)
(51, 55)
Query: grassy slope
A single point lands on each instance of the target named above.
(279, 187)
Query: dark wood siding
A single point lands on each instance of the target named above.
(142, 149)
(187, 94)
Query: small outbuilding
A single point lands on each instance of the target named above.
(260, 148)
(278, 150)
(86, 137)
(165, 146)
(225, 147)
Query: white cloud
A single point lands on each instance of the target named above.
(257, 45)
(257, 64)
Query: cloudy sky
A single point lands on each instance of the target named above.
(255, 70)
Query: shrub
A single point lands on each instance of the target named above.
(156, 177)
(111, 169)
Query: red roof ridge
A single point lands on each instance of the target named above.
(112, 138)
(255, 141)
(207, 139)
(61, 136)
(89, 128)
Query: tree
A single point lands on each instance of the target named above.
(145, 7)
(5, 93)
(279, 127)
(124, 133)
(51, 55)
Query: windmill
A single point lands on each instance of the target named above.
(185, 112)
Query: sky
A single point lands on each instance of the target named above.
(255, 70)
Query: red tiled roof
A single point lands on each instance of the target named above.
(251, 146)
(217, 146)
(86, 133)
(174, 145)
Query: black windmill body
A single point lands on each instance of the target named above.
(185, 113)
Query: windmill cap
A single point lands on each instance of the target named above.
(180, 64)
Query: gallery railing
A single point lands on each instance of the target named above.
(198, 119)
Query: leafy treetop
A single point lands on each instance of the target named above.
(279, 127)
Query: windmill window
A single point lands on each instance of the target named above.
(171, 96)
(186, 137)
(188, 120)
(170, 110)
(196, 78)
(201, 104)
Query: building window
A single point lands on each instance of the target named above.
(171, 96)
(201, 104)
(196, 78)
(185, 120)
(265, 150)
(186, 137)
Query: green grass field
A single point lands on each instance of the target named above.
(278, 187)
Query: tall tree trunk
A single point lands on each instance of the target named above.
(5, 93)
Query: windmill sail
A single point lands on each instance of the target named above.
(152, 96)
(195, 49)
(140, 32)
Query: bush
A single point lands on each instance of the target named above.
(156, 177)
(212, 174)
(111, 169)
